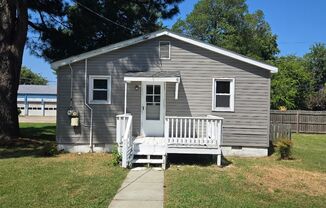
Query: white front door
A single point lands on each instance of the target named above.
(153, 108)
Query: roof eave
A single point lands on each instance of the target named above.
(55, 65)
(106, 49)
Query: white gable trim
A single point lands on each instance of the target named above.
(57, 64)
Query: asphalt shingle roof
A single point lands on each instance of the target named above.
(37, 89)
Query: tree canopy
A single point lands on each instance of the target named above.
(292, 85)
(316, 62)
(90, 24)
(230, 25)
(27, 76)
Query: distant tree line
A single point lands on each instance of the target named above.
(300, 82)
(28, 77)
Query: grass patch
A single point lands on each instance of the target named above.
(254, 182)
(34, 140)
(39, 131)
(67, 180)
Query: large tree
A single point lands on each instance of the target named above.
(13, 33)
(292, 85)
(316, 62)
(229, 24)
(28, 77)
(59, 29)
(91, 24)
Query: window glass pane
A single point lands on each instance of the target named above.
(157, 98)
(222, 86)
(149, 98)
(100, 95)
(223, 101)
(100, 84)
(149, 89)
(157, 89)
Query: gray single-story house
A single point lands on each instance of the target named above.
(163, 93)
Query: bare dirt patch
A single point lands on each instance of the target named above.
(288, 179)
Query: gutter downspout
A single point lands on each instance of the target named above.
(71, 82)
(91, 109)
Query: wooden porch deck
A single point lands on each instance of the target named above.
(160, 146)
(182, 135)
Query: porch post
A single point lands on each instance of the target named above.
(125, 105)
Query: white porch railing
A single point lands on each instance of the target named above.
(124, 138)
(194, 131)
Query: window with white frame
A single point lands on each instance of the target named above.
(165, 50)
(99, 89)
(223, 94)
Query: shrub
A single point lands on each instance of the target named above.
(49, 150)
(116, 157)
(317, 100)
(284, 148)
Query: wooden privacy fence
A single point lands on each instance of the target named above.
(279, 130)
(301, 121)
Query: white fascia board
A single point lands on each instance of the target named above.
(63, 62)
(151, 79)
(224, 52)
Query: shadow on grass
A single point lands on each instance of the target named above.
(194, 159)
(27, 147)
(37, 140)
(41, 133)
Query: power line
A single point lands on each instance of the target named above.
(103, 17)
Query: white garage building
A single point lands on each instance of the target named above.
(37, 100)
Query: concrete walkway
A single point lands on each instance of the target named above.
(141, 189)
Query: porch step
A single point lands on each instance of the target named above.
(148, 161)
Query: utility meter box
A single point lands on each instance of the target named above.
(74, 121)
(74, 117)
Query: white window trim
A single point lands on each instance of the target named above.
(159, 50)
(91, 88)
(232, 92)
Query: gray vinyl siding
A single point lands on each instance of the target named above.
(248, 125)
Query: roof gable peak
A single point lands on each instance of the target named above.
(126, 43)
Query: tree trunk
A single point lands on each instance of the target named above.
(13, 32)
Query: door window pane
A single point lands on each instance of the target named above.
(153, 99)
(157, 89)
(149, 89)
(157, 98)
(149, 98)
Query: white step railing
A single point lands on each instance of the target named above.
(124, 138)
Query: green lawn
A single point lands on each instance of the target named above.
(254, 182)
(28, 179)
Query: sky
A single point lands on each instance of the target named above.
(297, 23)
